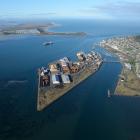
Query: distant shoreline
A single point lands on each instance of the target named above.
(35, 29)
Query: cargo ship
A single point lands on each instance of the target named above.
(59, 77)
(48, 43)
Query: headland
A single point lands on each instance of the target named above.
(35, 29)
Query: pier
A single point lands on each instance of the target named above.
(63, 75)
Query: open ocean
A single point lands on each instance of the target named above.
(85, 113)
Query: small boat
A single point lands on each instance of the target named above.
(48, 43)
(108, 94)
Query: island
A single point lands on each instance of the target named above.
(128, 51)
(59, 77)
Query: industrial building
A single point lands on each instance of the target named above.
(62, 71)
(65, 79)
(55, 79)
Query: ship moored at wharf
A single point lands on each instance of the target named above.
(62, 75)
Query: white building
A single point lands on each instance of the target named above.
(65, 79)
(55, 79)
(128, 66)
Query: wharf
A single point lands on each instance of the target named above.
(48, 95)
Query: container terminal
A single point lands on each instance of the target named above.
(60, 76)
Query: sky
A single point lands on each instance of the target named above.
(96, 9)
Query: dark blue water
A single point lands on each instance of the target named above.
(85, 112)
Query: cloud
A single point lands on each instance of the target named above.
(115, 10)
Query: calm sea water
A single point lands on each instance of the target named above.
(85, 112)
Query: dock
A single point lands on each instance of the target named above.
(65, 77)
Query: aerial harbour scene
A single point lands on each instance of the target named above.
(70, 70)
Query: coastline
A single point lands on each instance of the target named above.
(34, 29)
(128, 83)
(5, 37)
(127, 89)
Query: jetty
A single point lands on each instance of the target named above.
(59, 77)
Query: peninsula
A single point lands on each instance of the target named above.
(62, 75)
(35, 29)
(128, 51)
